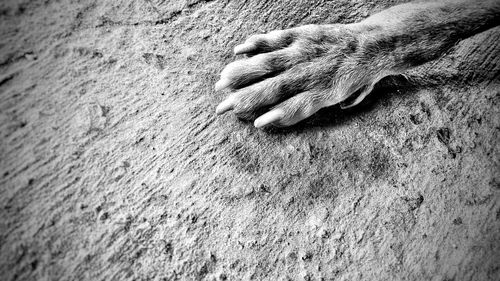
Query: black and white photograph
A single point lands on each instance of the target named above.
(328, 140)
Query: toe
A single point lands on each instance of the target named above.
(262, 43)
(244, 72)
(294, 109)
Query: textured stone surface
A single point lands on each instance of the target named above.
(115, 167)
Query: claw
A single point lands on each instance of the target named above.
(222, 84)
(268, 118)
(224, 106)
(243, 48)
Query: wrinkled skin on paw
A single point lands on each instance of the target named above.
(288, 75)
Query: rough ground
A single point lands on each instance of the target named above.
(114, 166)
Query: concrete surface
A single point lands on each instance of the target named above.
(115, 167)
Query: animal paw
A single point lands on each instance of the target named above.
(291, 74)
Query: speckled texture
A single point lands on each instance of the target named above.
(115, 167)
